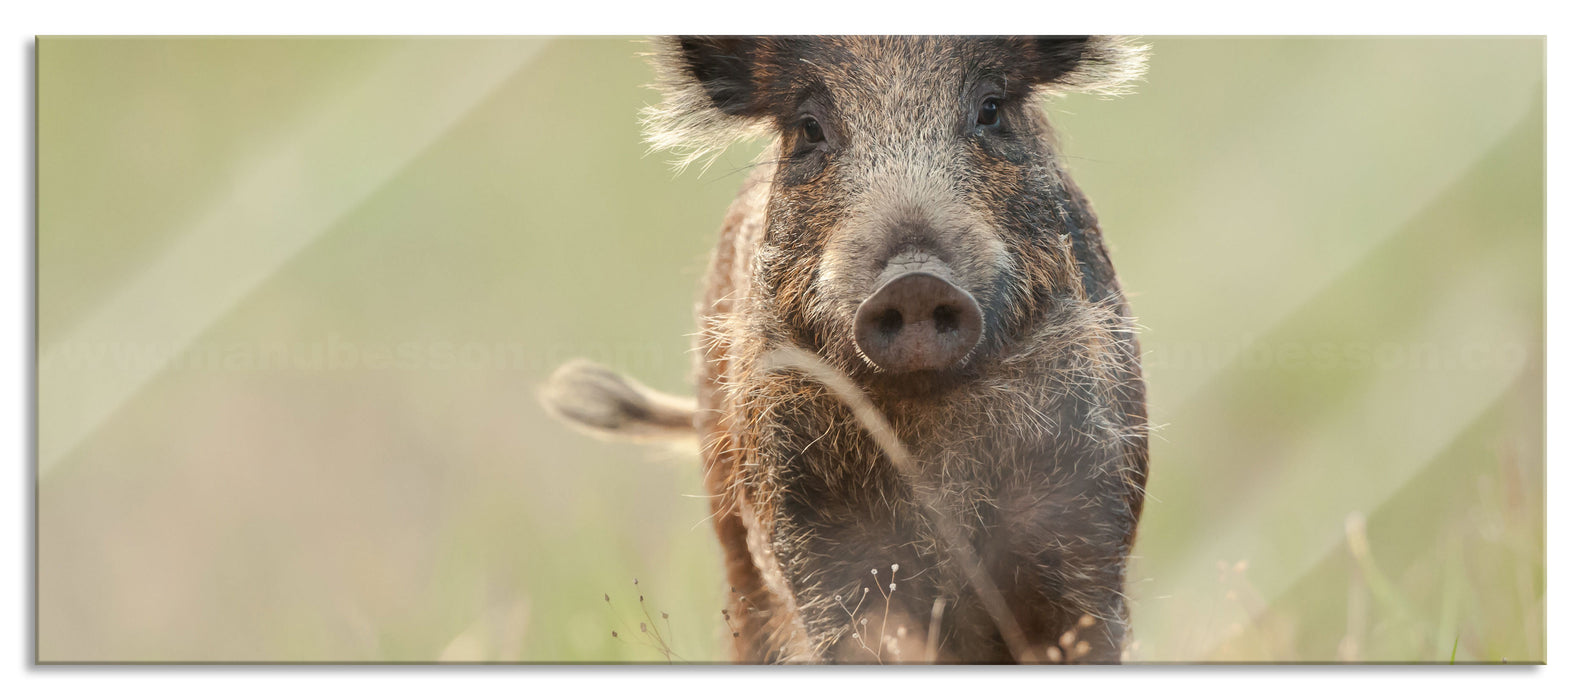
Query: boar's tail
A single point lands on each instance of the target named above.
(600, 401)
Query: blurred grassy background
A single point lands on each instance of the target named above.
(295, 296)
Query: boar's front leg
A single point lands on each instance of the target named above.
(849, 542)
(1059, 554)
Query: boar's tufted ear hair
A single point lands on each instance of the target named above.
(1106, 65)
(710, 98)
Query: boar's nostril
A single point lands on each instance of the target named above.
(946, 319)
(890, 322)
(917, 321)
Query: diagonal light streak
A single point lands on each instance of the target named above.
(1355, 461)
(1486, 397)
(1343, 214)
(279, 204)
(1343, 185)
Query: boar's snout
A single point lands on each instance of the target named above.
(916, 321)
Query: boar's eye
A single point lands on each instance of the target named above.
(811, 131)
(989, 112)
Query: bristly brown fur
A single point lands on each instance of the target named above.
(1011, 519)
(1109, 66)
(686, 124)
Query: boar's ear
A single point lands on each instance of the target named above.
(1106, 65)
(710, 97)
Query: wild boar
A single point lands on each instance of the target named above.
(920, 410)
